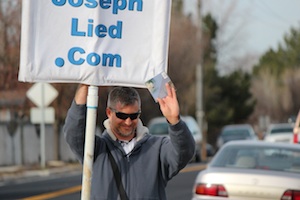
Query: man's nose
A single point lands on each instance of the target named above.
(128, 121)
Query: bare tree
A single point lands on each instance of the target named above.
(277, 97)
(10, 32)
(232, 36)
(292, 81)
(184, 54)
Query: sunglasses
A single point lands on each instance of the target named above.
(124, 116)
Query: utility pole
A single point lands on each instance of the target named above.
(199, 86)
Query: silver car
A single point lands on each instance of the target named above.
(251, 170)
(236, 132)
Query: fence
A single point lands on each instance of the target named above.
(23, 146)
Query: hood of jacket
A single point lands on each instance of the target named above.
(141, 130)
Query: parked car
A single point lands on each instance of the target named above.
(236, 132)
(159, 126)
(282, 132)
(250, 170)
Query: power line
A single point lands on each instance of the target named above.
(268, 9)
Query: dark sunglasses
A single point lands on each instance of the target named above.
(124, 116)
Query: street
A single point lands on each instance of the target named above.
(68, 185)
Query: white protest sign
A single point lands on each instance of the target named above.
(96, 42)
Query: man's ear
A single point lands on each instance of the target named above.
(108, 112)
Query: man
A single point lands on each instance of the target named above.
(146, 162)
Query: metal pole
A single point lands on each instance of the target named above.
(42, 129)
(92, 105)
(199, 87)
(22, 139)
(199, 113)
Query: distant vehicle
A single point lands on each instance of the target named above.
(236, 132)
(249, 170)
(296, 130)
(282, 132)
(159, 126)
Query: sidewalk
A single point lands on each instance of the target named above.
(10, 173)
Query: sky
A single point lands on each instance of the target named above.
(259, 24)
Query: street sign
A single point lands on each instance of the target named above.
(42, 92)
(36, 113)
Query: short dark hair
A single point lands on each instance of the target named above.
(124, 95)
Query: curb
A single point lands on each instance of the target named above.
(11, 173)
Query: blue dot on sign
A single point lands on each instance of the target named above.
(59, 62)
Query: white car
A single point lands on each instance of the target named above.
(282, 132)
(251, 170)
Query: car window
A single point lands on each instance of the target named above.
(161, 127)
(237, 132)
(264, 158)
(281, 130)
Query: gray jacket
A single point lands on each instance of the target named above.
(145, 171)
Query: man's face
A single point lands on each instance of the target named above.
(123, 129)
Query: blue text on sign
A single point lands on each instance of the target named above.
(93, 58)
(115, 5)
(114, 31)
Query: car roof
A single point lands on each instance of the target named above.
(260, 143)
(237, 126)
(163, 119)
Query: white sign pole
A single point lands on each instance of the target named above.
(42, 129)
(92, 105)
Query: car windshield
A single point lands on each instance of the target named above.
(288, 130)
(159, 129)
(254, 157)
(243, 133)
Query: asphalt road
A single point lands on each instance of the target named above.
(67, 186)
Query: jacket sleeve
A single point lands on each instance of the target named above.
(74, 129)
(177, 150)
